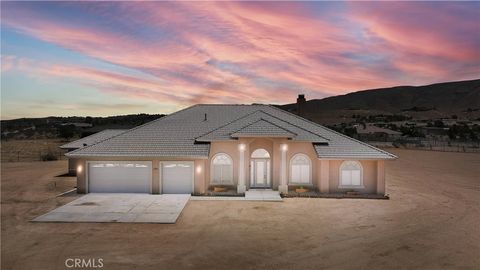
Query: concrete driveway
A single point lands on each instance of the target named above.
(115, 207)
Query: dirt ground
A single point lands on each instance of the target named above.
(30, 150)
(432, 221)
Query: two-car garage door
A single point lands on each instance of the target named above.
(120, 176)
(136, 177)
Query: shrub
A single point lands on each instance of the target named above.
(48, 157)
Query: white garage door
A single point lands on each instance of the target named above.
(177, 177)
(119, 176)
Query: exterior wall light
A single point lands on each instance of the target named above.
(284, 147)
(241, 147)
(79, 168)
(199, 169)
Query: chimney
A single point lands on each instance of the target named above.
(301, 102)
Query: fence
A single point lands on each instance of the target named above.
(432, 145)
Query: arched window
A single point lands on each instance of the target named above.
(260, 153)
(222, 169)
(351, 174)
(300, 169)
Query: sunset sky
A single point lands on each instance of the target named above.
(98, 59)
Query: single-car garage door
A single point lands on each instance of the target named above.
(119, 176)
(177, 177)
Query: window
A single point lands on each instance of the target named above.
(222, 169)
(351, 174)
(300, 169)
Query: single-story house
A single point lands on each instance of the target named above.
(370, 132)
(238, 146)
(86, 141)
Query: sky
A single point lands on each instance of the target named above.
(113, 58)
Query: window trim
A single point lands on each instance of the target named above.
(344, 163)
(212, 170)
(310, 169)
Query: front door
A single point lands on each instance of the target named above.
(260, 176)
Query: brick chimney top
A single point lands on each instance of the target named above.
(301, 104)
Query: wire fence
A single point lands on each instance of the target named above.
(431, 145)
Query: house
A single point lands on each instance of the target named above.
(85, 141)
(370, 132)
(238, 146)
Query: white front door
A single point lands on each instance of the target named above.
(260, 173)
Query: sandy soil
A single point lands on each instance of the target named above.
(431, 222)
(30, 150)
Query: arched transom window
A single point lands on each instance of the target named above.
(222, 169)
(260, 153)
(300, 169)
(351, 174)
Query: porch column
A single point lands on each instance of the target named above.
(283, 187)
(381, 177)
(241, 187)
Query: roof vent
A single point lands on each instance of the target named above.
(84, 144)
(205, 119)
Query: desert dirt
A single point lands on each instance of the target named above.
(432, 221)
(30, 150)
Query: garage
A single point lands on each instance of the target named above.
(177, 177)
(119, 177)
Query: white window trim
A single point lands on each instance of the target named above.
(212, 181)
(361, 186)
(290, 182)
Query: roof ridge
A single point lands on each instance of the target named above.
(338, 133)
(91, 135)
(295, 125)
(228, 123)
(130, 130)
(262, 119)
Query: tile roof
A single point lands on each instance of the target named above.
(92, 139)
(187, 133)
(263, 128)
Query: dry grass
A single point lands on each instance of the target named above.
(431, 221)
(30, 150)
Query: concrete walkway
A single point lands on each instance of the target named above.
(120, 207)
(250, 195)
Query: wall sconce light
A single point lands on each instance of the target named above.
(79, 168)
(284, 147)
(199, 169)
(241, 147)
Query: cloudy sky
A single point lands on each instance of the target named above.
(85, 58)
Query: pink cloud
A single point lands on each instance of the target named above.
(258, 52)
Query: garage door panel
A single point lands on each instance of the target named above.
(128, 177)
(177, 177)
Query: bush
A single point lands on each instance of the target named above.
(48, 157)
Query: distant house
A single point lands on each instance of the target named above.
(86, 141)
(435, 131)
(79, 125)
(370, 132)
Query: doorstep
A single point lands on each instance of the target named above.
(250, 195)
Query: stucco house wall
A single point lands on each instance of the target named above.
(369, 177)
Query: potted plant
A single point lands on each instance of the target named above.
(301, 189)
(219, 189)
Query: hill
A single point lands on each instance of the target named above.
(439, 100)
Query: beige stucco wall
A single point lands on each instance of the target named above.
(273, 146)
(325, 173)
(369, 177)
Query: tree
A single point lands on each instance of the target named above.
(67, 131)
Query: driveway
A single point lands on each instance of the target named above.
(114, 207)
